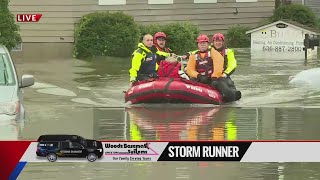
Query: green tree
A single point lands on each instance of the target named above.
(295, 12)
(237, 38)
(9, 30)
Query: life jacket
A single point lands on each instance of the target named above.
(148, 64)
(204, 65)
(160, 56)
(169, 69)
(224, 53)
(167, 50)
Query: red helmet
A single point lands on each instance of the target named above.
(160, 34)
(218, 36)
(202, 38)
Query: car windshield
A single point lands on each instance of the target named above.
(6, 71)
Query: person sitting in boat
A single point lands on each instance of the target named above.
(171, 67)
(144, 61)
(168, 64)
(230, 62)
(206, 66)
(159, 41)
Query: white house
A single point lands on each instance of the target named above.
(281, 40)
(53, 35)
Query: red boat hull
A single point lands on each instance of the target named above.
(170, 90)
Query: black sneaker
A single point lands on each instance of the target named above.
(238, 95)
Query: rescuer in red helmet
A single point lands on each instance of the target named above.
(230, 62)
(168, 65)
(206, 66)
(160, 39)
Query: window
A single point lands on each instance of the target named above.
(160, 1)
(246, 0)
(64, 145)
(83, 141)
(112, 2)
(205, 1)
(53, 145)
(75, 145)
(48, 145)
(6, 71)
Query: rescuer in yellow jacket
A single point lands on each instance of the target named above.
(230, 63)
(144, 60)
(230, 60)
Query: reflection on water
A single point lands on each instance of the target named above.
(173, 170)
(173, 123)
(11, 129)
(219, 123)
(194, 123)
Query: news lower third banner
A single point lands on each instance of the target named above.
(14, 155)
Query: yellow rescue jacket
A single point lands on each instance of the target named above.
(138, 57)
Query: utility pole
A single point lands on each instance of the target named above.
(306, 46)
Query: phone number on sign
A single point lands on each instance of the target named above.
(282, 49)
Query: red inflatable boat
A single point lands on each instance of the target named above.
(172, 90)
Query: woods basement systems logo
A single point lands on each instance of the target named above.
(128, 148)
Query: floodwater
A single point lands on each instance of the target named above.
(86, 98)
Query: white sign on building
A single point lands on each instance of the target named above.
(280, 40)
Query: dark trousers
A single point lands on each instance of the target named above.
(231, 85)
(228, 93)
(226, 87)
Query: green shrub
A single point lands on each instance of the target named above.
(295, 12)
(117, 35)
(181, 36)
(105, 34)
(318, 23)
(149, 29)
(236, 37)
(9, 30)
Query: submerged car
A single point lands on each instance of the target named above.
(11, 88)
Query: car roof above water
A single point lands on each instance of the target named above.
(3, 49)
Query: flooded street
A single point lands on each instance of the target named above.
(86, 98)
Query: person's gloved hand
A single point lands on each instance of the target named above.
(214, 82)
(203, 79)
(155, 76)
(185, 57)
(132, 83)
(173, 55)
